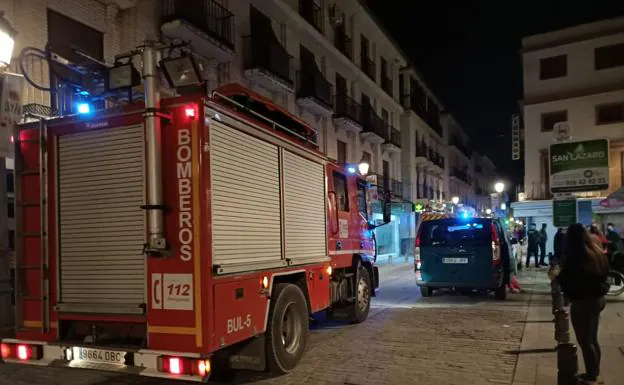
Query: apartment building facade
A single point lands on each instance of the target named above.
(460, 172)
(330, 62)
(573, 75)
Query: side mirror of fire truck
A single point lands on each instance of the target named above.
(386, 212)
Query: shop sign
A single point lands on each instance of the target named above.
(579, 166)
(564, 211)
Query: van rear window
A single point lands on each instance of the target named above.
(453, 232)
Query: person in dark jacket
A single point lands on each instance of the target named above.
(583, 278)
(533, 244)
(543, 238)
(558, 244)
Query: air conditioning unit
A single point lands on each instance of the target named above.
(336, 16)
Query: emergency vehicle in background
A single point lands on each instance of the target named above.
(250, 229)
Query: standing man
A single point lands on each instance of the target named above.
(558, 246)
(543, 237)
(533, 239)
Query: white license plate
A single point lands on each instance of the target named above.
(99, 355)
(455, 260)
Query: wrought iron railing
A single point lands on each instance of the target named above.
(261, 52)
(373, 123)
(312, 13)
(394, 136)
(312, 84)
(347, 107)
(207, 15)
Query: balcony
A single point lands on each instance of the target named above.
(412, 102)
(206, 24)
(368, 67)
(267, 63)
(312, 13)
(375, 129)
(393, 141)
(421, 152)
(461, 175)
(343, 43)
(347, 113)
(459, 144)
(314, 92)
(396, 189)
(386, 84)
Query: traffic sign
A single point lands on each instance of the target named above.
(579, 166)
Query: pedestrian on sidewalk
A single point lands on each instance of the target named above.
(543, 238)
(583, 278)
(533, 239)
(558, 244)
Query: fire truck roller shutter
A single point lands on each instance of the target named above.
(245, 199)
(102, 227)
(304, 208)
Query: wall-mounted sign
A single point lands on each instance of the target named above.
(579, 166)
(564, 211)
(516, 137)
(562, 131)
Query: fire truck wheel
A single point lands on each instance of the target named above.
(287, 332)
(361, 306)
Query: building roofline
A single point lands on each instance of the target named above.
(573, 34)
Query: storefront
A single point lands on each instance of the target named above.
(395, 239)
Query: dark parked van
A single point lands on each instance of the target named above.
(462, 252)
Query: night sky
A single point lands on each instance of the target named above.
(468, 53)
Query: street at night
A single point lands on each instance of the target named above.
(449, 339)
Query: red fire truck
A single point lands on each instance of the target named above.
(250, 229)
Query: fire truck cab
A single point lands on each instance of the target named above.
(259, 231)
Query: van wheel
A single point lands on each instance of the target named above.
(287, 331)
(426, 291)
(361, 305)
(501, 292)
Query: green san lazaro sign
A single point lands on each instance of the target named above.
(579, 166)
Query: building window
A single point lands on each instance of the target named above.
(610, 113)
(549, 119)
(12, 240)
(609, 56)
(11, 208)
(553, 67)
(342, 152)
(340, 187)
(10, 181)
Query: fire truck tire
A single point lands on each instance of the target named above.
(361, 305)
(287, 331)
(426, 291)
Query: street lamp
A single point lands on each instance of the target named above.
(499, 187)
(7, 41)
(455, 200)
(363, 168)
(488, 211)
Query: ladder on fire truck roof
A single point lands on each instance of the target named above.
(23, 171)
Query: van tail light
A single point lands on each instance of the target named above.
(417, 253)
(22, 352)
(184, 366)
(496, 260)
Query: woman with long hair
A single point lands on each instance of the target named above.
(583, 278)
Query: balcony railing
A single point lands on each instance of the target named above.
(461, 147)
(312, 84)
(312, 13)
(206, 15)
(410, 101)
(260, 52)
(368, 66)
(386, 84)
(394, 137)
(344, 44)
(460, 174)
(396, 186)
(347, 107)
(373, 123)
(421, 150)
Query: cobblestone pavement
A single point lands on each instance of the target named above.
(444, 340)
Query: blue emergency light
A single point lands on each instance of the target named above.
(83, 108)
